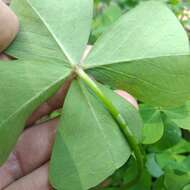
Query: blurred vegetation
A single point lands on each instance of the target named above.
(106, 12)
(168, 160)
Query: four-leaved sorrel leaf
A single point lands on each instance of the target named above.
(145, 52)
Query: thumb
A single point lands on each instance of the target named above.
(9, 26)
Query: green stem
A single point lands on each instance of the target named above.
(120, 120)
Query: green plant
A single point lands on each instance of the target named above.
(145, 52)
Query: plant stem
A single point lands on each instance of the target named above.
(120, 120)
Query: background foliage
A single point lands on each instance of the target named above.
(167, 152)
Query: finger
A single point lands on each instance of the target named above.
(32, 150)
(4, 57)
(7, 1)
(128, 97)
(37, 180)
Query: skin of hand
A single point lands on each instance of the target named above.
(6, 1)
(9, 26)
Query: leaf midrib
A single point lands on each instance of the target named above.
(146, 82)
(130, 61)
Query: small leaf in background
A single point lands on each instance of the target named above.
(176, 181)
(175, 158)
(187, 187)
(154, 122)
(128, 4)
(153, 128)
(125, 174)
(181, 148)
(159, 184)
(153, 167)
(145, 181)
(180, 116)
(171, 136)
(104, 20)
(173, 161)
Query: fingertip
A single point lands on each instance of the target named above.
(128, 97)
(37, 180)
